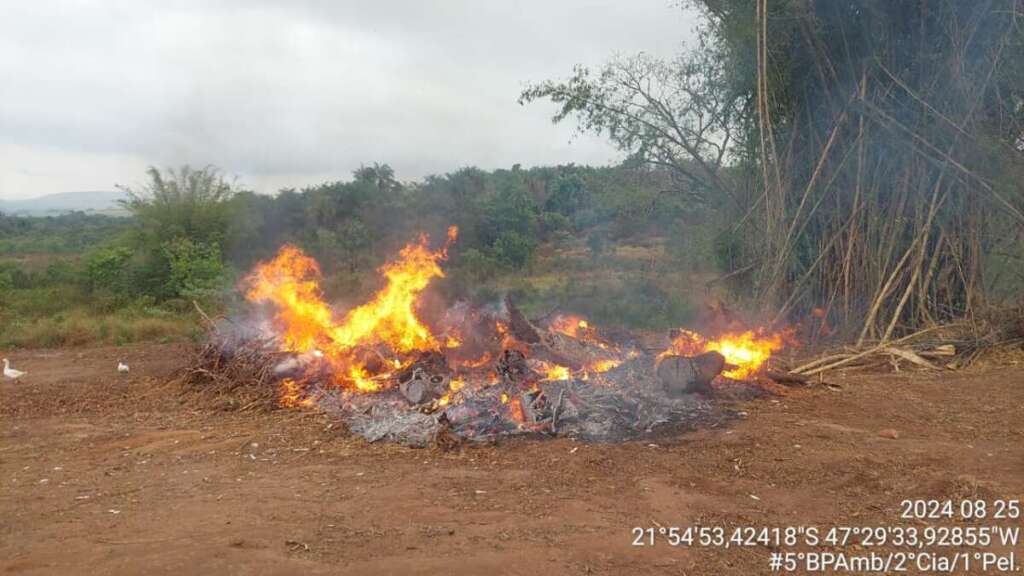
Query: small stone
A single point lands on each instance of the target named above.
(889, 433)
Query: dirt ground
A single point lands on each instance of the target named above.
(108, 474)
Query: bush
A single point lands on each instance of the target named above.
(195, 269)
(513, 250)
(107, 272)
(6, 279)
(477, 265)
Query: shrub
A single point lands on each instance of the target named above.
(107, 272)
(513, 250)
(478, 265)
(195, 269)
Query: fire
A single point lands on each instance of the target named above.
(555, 372)
(364, 349)
(569, 325)
(515, 410)
(577, 327)
(479, 362)
(747, 351)
(291, 394)
(291, 282)
(603, 365)
(361, 379)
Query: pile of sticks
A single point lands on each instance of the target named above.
(231, 372)
(239, 375)
(945, 347)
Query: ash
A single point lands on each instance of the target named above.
(625, 403)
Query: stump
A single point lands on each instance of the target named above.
(689, 375)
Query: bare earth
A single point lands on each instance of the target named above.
(104, 474)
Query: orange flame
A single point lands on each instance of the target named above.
(569, 325)
(479, 362)
(603, 365)
(515, 410)
(291, 282)
(556, 372)
(747, 351)
(577, 327)
(291, 394)
(368, 344)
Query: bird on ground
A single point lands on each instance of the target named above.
(122, 367)
(11, 372)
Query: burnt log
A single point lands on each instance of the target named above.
(512, 367)
(535, 406)
(554, 348)
(425, 380)
(521, 328)
(417, 391)
(689, 375)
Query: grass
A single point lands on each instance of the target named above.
(61, 315)
(80, 327)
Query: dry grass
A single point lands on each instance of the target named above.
(83, 327)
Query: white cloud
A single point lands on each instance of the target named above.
(287, 94)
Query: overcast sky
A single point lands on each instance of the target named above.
(288, 93)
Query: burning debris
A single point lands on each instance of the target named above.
(473, 374)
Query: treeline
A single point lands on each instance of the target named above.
(504, 216)
(192, 232)
(71, 233)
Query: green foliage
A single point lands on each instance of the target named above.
(196, 270)
(478, 265)
(514, 250)
(863, 114)
(569, 196)
(190, 233)
(597, 244)
(7, 272)
(184, 217)
(181, 203)
(674, 114)
(66, 234)
(353, 240)
(107, 272)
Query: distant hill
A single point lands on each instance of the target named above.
(98, 201)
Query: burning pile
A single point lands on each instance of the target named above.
(474, 373)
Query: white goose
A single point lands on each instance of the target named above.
(122, 368)
(11, 372)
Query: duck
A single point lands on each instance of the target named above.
(11, 372)
(122, 367)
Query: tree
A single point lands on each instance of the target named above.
(381, 176)
(182, 202)
(883, 156)
(107, 272)
(184, 216)
(679, 115)
(869, 149)
(196, 269)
